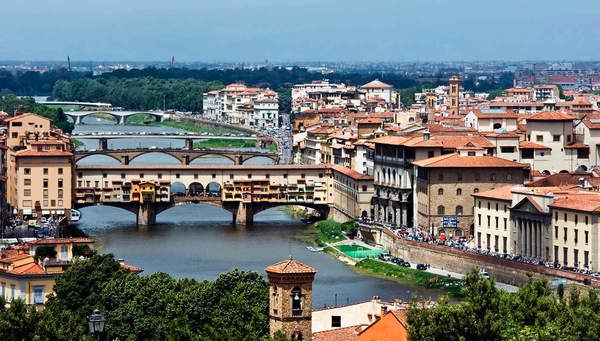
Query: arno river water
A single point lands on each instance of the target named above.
(199, 241)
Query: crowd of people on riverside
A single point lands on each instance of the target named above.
(465, 245)
(39, 228)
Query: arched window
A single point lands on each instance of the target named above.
(476, 190)
(296, 336)
(441, 210)
(493, 177)
(459, 191)
(296, 302)
(394, 177)
(440, 191)
(459, 210)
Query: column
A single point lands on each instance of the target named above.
(541, 244)
(530, 238)
(524, 241)
(404, 215)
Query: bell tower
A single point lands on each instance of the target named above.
(290, 299)
(454, 95)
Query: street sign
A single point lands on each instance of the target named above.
(450, 221)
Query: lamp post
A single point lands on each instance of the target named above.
(96, 323)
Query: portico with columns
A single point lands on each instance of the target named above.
(531, 229)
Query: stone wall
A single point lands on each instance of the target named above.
(455, 260)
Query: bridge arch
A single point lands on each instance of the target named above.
(195, 189)
(110, 158)
(135, 158)
(155, 117)
(196, 159)
(260, 160)
(178, 188)
(213, 187)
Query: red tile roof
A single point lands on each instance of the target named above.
(31, 152)
(376, 84)
(28, 269)
(351, 173)
(458, 161)
(339, 334)
(500, 193)
(54, 241)
(551, 116)
(290, 266)
(507, 114)
(577, 204)
(531, 145)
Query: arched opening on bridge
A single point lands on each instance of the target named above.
(259, 160)
(178, 189)
(288, 212)
(154, 158)
(99, 118)
(106, 216)
(194, 213)
(213, 189)
(98, 159)
(211, 160)
(196, 189)
(141, 118)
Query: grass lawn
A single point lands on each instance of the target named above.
(328, 231)
(66, 107)
(140, 118)
(225, 143)
(422, 278)
(196, 127)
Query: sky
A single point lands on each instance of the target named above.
(300, 30)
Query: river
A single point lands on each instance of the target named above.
(199, 241)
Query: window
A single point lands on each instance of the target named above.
(556, 232)
(479, 240)
(565, 256)
(27, 182)
(507, 149)
(458, 191)
(45, 183)
(576, 235)
(479, 203)
(503, 244)
(430, 154)
(576, 219)
(539, 138)
(122, 175)
(586, 220)
(556, 138)
(565, 234)
(60, 183)
(441, 210)
(160, 175)
(336, 321)
(459, 210)
(38, 294)
(249, 176)
(45, 171)
(527, 153)
(26, 203)
(60, 192)
(496, 219)
(488, 221)
(492, 177)
(508, 177)
(587, 235)
(177, 175)
(27, 171)
(27, 192)
(476, 190)
(60, 171)
(296, 302)
(60, 203)
(440, 191)
(556, 216)
(505, 224)
(565, 217)
(479, 220)
(364, 188)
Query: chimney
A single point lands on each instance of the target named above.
(426, 135)
(384, 310)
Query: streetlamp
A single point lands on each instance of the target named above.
(96, 323)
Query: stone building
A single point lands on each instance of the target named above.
(444, 185)
(352, 194)
(290, 299)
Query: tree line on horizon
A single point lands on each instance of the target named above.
(182, 88)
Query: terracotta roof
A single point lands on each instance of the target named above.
(339, 334)
(500, 193)
(290, 266)
(458, 161)
(531, 145)
(577, 146)
(495, 114)
(31, 152)
(506, 134)
(25, 115)
(11, 257)
(441, 141)
(131, 267)
(28, 269)
(577, 204)
(351, 173)
(551, 116)
(376, 84)
(562, 79)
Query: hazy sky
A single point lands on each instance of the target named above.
(300, 30)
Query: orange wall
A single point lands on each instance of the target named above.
(386, 329)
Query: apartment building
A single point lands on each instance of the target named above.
(241, 105)
(443, 188)
(40, 168)
(488, 120)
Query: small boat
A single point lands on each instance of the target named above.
(313, 249)
(75, 216)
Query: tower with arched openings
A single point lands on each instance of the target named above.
(290, 299)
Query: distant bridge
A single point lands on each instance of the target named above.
(83, 104)
(120, 116)
(185, 156)
(243, 190)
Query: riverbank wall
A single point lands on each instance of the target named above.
(455, 260)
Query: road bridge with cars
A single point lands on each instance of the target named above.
(120, 116)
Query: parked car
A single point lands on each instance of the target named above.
(421, 266)
(385, 257)
(406, 264)
(484, 273)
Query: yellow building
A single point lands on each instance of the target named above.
(39, 168)
(352, 194)
(21, 277)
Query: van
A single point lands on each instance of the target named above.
(483, 273)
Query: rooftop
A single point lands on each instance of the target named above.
(290, 266)
(455, 160)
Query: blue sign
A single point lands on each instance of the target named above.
(450, 221)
